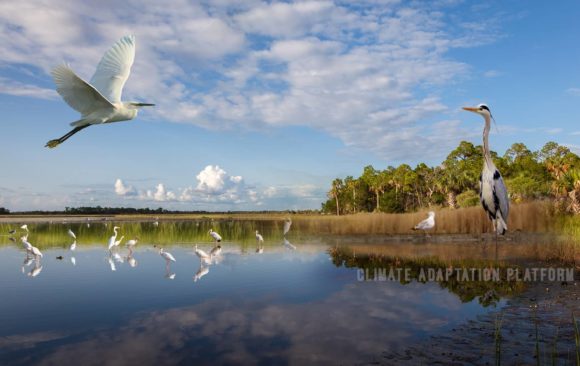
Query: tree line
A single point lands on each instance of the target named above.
(553, 172)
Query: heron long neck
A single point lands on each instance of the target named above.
(486, 153)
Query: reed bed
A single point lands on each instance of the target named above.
(532, 217)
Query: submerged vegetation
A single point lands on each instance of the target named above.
(551, 173)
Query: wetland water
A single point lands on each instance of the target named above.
(295, 301)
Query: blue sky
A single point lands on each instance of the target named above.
(259, 105)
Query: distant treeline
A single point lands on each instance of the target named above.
(553, 172)
(98, 210)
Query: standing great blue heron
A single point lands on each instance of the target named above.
(492, 191)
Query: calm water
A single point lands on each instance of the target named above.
(295, 303)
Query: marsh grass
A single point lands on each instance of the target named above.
(530, 217)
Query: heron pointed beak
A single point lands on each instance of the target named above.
(143, 104)
(470, 109)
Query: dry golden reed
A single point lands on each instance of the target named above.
(533, 217)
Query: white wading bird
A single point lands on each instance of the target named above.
(215, 235)
(99, 101)
(118, 242)
(30, 248)
(203, 256)
(113, 238)
(24, 227)
(492, 191)
(73, 246)
(287, 225)
(166, 255)
(131, 244)
(427, 224)
(71, 234)
(288, 245)
(259, 238)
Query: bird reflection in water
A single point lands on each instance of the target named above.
(288, 245)
(35, 271)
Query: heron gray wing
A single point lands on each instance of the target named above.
(500, 191)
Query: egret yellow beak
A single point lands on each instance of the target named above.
(471, 109)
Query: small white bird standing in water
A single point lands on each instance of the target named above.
(31, 248)
(215, 235)
(131, 244)
(99, 101)
(259, 237)
(24, 227)
(203, 256)
(113, 238)
(492, 191)
(166, 255)
(427, 224)
(287, 225)
(71, 234)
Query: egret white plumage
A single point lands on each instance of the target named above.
(427, 224)
(73, 246)
(492, 190)
(71, 234)
(287, 225)
(31, 248)
(202, 255)
(99, 101)
(113, 238)
(24, 227)
(259, 237)
(118, 242)
(215, 235)
(130, 244)
(166, 255)
(73, 260)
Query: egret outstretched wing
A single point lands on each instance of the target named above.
(114, 68)
(76, 92)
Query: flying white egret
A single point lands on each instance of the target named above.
(71, 234)
(99, 101)
(259, 237)
(492, 191)
(113, 238)
(427, 224)
(203, 256)
(287, 225)
(215, 235)
(166, 255)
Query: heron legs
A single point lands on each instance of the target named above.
(54, 143)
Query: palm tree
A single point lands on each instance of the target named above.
(337, 186)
